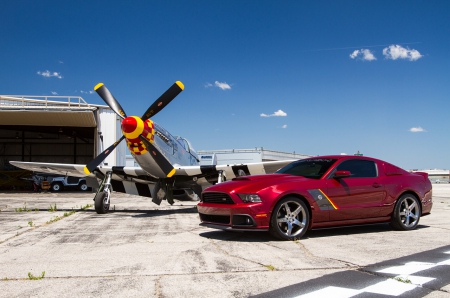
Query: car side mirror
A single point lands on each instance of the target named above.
(341, 174)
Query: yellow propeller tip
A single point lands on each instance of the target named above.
(180, 85)
(98, 86)
(86, 171)
(171, 173)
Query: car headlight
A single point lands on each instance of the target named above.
(250, 198)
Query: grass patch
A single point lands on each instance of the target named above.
(403, 280)
(23, 209)
(32, 277)
(54, 219)
(53, 208)
(31, 224)
(69, 213)
(270, 267)
(86, 207)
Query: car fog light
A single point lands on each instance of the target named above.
(250, 198)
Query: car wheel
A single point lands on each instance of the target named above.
(56, 186)
(406, 213)
(100, 203)
(82, 186)
(290, 219)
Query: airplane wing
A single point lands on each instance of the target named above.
(230, 171)
(134, 180)
(63, 169)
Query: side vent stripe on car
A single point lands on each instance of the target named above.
(324, 202)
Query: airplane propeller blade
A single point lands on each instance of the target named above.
(92, 165)
(163, 100)
(109, 99)
(160, 159)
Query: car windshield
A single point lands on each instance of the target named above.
(309, 168)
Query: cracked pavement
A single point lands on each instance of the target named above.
(140, 249)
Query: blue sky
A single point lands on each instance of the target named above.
(314, 77)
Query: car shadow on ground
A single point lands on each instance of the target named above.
(240, 236)
(360, 229)
(245, 236)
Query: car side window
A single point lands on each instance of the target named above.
(359, 168)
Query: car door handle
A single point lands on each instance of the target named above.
(376, 185)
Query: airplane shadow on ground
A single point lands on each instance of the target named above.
(266, 237)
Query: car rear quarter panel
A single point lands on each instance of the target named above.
(398, 185)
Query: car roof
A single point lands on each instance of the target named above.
(342, 157)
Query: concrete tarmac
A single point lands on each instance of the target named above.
(140, 249)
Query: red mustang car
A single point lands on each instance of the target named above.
(318, 192)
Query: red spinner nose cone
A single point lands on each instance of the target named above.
(132, 127)
(129, 124)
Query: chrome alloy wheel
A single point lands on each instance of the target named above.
(291, 218)
(409, 212)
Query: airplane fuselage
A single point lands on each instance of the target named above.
(176, 149)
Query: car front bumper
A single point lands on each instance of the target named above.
(240, 217)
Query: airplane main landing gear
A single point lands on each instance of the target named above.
(103, 195)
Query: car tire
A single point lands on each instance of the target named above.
(82, 186)
(100, 206)
(290, 219)
(406, 213)
(56, 186)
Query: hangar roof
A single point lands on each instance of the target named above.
(39, 110)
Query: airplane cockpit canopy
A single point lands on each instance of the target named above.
(185, 143)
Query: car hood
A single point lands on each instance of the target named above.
(255, 183)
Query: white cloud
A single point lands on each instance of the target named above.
(207, 85)
(395, 52)
(284, 126)
(87, 92)
(54, 93)
(49, 74)
(278, 113)
(363, 54)
(417, 129)
(223, 86)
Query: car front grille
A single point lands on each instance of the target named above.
(216, 198)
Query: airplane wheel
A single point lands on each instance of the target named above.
(100, 206)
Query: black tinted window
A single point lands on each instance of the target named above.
(359, 168)
(310, 168)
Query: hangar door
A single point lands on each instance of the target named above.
(46, 137)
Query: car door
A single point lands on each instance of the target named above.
(359, 195)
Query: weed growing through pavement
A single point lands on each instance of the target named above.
(30, 223)
(86, 207)
(270, 267)
(403, 280)
(23, 209)
(32, 277)
(66, 214)
(69, 213)
(53, 208)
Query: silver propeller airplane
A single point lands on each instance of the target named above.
(169, 167)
